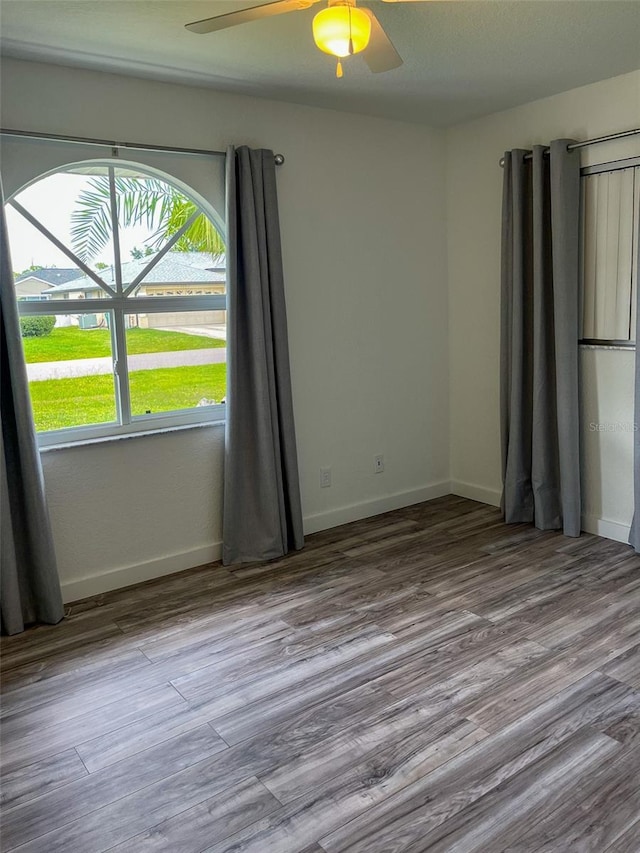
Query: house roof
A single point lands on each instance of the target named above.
(50, 275)
(172, 268)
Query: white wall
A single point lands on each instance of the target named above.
(474, 190)
(364, 244)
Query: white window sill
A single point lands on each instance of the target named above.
(106, 439)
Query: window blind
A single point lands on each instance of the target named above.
(610, 254)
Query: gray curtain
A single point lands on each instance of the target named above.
(634, 538)
(29, 587)
(262, 511)
(539, 338)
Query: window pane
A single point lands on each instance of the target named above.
(608, 224)
(81, 226)
(152, 212)
(70, 369)
(41, 271)
(176, 360)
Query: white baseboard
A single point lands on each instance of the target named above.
(590, 523)
(354, 512)
(476, 493)
(609, 529)
(75, 590)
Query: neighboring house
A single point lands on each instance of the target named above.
(175, 274)
(36, 284)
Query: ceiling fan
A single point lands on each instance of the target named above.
(341, 29)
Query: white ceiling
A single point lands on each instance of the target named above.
(461, 59)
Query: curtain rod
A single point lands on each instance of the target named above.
(586, 142)
(136, 146)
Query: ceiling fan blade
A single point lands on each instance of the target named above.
(244, 16)
(380, 54)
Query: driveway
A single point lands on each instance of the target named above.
(204, 331)
(147, 361)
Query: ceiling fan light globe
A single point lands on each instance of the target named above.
(334, 28)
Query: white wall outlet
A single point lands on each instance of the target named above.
(325, 478)
(378, 463)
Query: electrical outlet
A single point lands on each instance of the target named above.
(378, 464)
(325, 478)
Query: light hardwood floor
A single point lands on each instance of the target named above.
(428, 680)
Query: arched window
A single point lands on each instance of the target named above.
(121, 288)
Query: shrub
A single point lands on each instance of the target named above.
(37, 326)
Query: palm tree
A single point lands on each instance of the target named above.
(140, 200)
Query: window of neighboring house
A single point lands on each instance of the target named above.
(610, 229)
(129, 332)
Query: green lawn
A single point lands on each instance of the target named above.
(86, 400)
(70, 342)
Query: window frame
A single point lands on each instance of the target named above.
(119, 304)
(597, 169)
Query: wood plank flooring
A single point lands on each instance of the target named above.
(427, 680)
